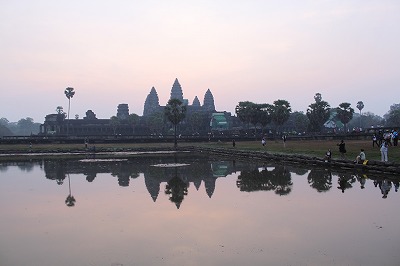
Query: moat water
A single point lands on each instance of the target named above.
(190, 209)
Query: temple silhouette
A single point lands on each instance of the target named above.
(152, 104)
(57, 124)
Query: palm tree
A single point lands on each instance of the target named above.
(360, 106)
(70, 200)
(281, 112)
(175, 111)
(345, 114)
(69, 93)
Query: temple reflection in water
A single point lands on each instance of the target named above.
(178, 171)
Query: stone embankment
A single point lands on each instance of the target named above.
(371, 166)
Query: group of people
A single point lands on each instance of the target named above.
(361, 157)
(390, 137)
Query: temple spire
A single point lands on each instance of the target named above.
(196, 101)
(208, 102)
(176, 91)
(152, 102)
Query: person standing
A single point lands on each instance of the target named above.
(384, 151)
(342, 149)
(263, 141)
(395, 136)
(375, 141)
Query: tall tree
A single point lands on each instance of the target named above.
(393, 116)
(345, 114)
(4, 121)
(318, 113)
(69, 93)
(244, 111)
(297, 122)
(265, 116)
(281, 112)
(26, 126)
(360, 106)
(175, 111)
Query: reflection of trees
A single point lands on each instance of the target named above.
(345, 181)
(320, 179)
(297, 170)
(55, 170)
(70, 200)
(3, 168)
(282, 180)
(28, 167)
(278, 180)
(177, 189)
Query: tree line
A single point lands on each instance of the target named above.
(278, 116)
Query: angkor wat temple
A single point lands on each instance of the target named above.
(152, 104)
(57, 124)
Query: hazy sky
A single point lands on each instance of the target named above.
(113, 52)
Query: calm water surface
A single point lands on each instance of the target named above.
(193, 210)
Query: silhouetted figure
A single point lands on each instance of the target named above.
(375, 141)
(233, 143)
(342, 149)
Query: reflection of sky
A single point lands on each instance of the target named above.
(113, 224)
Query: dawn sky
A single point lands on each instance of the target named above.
(113, 52)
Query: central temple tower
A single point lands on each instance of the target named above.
(176, 91)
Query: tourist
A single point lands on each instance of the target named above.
(342, 149)
(263, 142)
(360, 157)
(384, 151)
(395, 136)
(375, 141)
(328, 156)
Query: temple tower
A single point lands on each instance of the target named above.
(196, 102)
(208, 102)
(152, 103)
(176, 91)
(123, 111)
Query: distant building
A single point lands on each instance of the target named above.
(57, 124)
(152, 105)
(123, 111)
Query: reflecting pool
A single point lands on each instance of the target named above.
(193, 209)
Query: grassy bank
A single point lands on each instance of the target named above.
(315, 148)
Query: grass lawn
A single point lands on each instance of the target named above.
(315, 148)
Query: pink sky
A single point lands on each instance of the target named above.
(259, 51)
